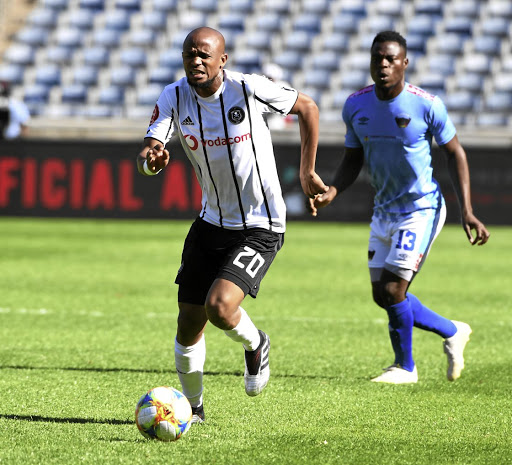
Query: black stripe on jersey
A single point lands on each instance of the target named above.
(268, 104)
(178, 102)
(231, 161)
(208, 165)
(170, 125)
(255, 157)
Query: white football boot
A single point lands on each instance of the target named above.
(454, 350)
(394, 374)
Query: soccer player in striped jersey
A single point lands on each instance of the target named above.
(390, 126)
(218, 116)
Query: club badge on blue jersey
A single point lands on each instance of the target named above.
(402, 120)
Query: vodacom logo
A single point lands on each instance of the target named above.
(193, 143)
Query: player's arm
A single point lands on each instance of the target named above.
(459, 174)
(345, 176)
(152, 158)
(307, 111)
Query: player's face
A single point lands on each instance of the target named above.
(203, 60)
(387, 68)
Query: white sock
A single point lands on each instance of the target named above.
(189, 364)
(245, 332)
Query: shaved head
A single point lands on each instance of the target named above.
(206, 33)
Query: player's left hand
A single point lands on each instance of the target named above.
(312, 185)
(481, 234)
(157, 158)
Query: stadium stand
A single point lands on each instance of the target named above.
(111, 57)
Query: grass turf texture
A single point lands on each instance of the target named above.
(87, 324)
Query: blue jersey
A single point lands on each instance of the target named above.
(396, 136)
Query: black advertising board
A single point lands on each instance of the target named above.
(100, 180)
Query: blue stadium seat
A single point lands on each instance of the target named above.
(36, 93)
(95, 5)
(434, 83)
(318, 7)
(161, 75)
(48, 75)
(12, 73)
(354, 80)
(278, 6)
(164, 5)
(491, 119)
(259, 40)
(96, 56)
(206, 6)
(461, 101)
(389, 7)
(111, 95)
(192, 19)
(477, 63)
(499, 9)
(148, 95)
(153, 20)
(58, 54)
(498, 101)
(430, 7)
(376, 24)
(133, 56)
(249, 61)
(422, 24)
(271, 22)
(42, 17)
(495, 26)
(178, 38)
(234, 22)
(314, 92)
(290, 60)
(317, 79)
(487, 44)
(298, 40)
(35, 36)
(55, 4)
(58, 110)
(106, 38)
(241, 6)
(346, 23)
(171, 58)
(87, 75)
(502, 82)
(117, 20)
(472, 82)
(141, 37)
(416, 43)
(69, 37)
(307, 22)
(74, 93)
(129, 5)
(122, 76)
(340, 97)
(98, 111)
(459, 25)
(468, 8)
(354, 8)
(442, 63)
(447, 43)
(81, 19)
(328, 60)
(357, 61)
(337, 42)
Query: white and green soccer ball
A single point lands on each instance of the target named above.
(163, 413)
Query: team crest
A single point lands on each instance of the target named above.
(403, 120)
(236, 115)
(154, 116)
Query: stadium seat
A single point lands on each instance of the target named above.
(353, 8)
(278, 6)
(491, 119)
(422, 24)
(354, 80)
(472, 82)
(133, 56)
(95, 5)
(340, 97)
(486, 44)
(317, 7)
(270, 22)
(346, 23)
(148, 95)
(337, 42)
(495, 26)
(129, 5)
(58, 110)
(165, 6)
(290, 60)
(429, 7)
(458, 25)
(499, 9)
(152, 20)
(122, 76)
(42, 17)
(477, 63)
(502, 82)
(69, 37)
(206, 6)
(58, 54)
(498, 101)
(357, 61)
(259, 40)
(74, 93)
(299, 41)
(86, 74)
(35, 36)
(434, 83)
(447, 43)
(108, 38)
(48, 75)
(307, 22)
(12, 73)
(111, 95)
(388, 7)
(317, 79)
(327, 61)
(98, 111)
(96, 56)
(467, 8)
(141, 37)
(55, 4)
(241, 6)
(193, 19)
(416, 43)
(234, 22)
(81, 19)
(117, 20)
(461, 101)
(170, 58)
(161, 75)
(36, 93)
(442, 63)
(375, 24)
(248, 61)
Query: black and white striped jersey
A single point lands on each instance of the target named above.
(228, 142)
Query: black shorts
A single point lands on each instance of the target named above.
(242, 257)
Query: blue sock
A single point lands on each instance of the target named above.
(426, 319)
(400, 331)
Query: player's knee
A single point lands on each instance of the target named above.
(220, 310)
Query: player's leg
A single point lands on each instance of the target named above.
(242, 273)
(190, 355)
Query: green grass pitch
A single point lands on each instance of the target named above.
(87, 324)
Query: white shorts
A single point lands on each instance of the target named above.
(402, 246)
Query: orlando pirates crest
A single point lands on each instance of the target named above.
(236, 115)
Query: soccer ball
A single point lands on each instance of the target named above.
(163, 413)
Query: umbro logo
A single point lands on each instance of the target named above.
(363, 121)
(187, 121)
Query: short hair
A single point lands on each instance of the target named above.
(391, 36)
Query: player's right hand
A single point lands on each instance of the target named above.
(321, 200)
(157, 158)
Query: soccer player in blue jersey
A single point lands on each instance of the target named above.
(390, 126)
